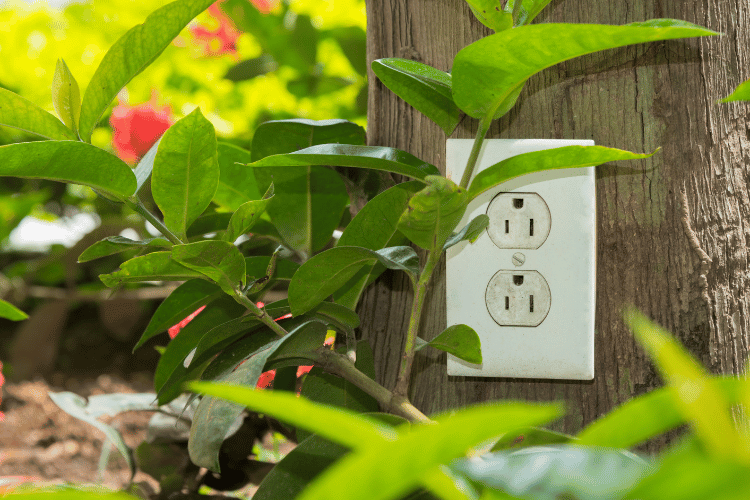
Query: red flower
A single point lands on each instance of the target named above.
(179, 326)
(137, 128)
(219, 41)
(265, 380)
(2, 381)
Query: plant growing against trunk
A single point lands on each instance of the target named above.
(212, 195)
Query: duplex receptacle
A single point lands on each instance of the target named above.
(526, 286)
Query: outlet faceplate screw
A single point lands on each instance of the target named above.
(518, 258)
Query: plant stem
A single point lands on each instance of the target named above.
(138, 206)
(337, 364)
(484, 126)
(420, 291)
(261, 314)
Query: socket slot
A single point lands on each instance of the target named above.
(518, 298)
(518, 220)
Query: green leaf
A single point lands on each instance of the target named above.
(340, 426)
(548, 159)
(11, 312)
(214, 417)
(344, 155)
(131, 54)
(699, 401)
(531, 436)
(180, 304)
(66, 97)
(145, 166)
(300, 345)
(116, 244)
(524, 11)
(648, 416)
(414, 455)
(218, 312)
(237, 184)
(220, 261)
(373, 227)
(212, 222)
(250, 68)
(109, 404)
(186, 171)
(310, 200)
(561, 471)
(433, 213)
(491, 14)
(490, 71)
(245, 217)
(460, 340)
(340, 315)
(425, 88)
(326, 272)
(156, 266)
(68, 161)
(18, 112)
(470, 232)
(741, 93)
(286, 136)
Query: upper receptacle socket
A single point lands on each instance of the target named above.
(518, 220)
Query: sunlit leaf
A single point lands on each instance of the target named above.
(11, 312)
(186, 171)
(131, 54)
(489, 72)
(220, 261)
(156, 266)
(460, 340)
(427, 89)
(491, 14)
(116, 244)
(18, 112)
(525, 10)
(470, 232)
(547, 159)
(237, 184)
(66, 97)
(741, 93)
(68, 161)
(245, 217)
(433, 213)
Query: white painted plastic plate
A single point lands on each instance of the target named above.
(562, 346)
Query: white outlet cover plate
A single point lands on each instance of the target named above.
(562, 346)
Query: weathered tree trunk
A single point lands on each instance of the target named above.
(637, 98)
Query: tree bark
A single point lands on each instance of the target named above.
(690, 274)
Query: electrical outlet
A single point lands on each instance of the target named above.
(527, 285)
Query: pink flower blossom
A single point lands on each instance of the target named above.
(179, 326)
(221, 40)
(137, 128)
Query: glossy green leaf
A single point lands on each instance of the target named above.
(547, 159)
(532, 436)
(647, 416)
(344, 155)
(560, 471)
(433, 213)
(250, 68)
(220, 261)
(300, 346)
(145, 166)
(337, 314)
(18, 112)
(156, 266)
(68, 161)
(186, 171)
(741, 93)
(245, 217)
(209, 223)
(373, 227)
(218, 312)
(101, 405)
(286, 136)
(491, 14)
(326, 272)
(696, 398)
(180, 304)
(414, 455)
(470, 232)
(116, 244)
(237, 184)
(214, 417)
(460, 340)
(489, 71)
(524, 11)
(425, 88)
(66, 97)
(131, 54)
(11, 312)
